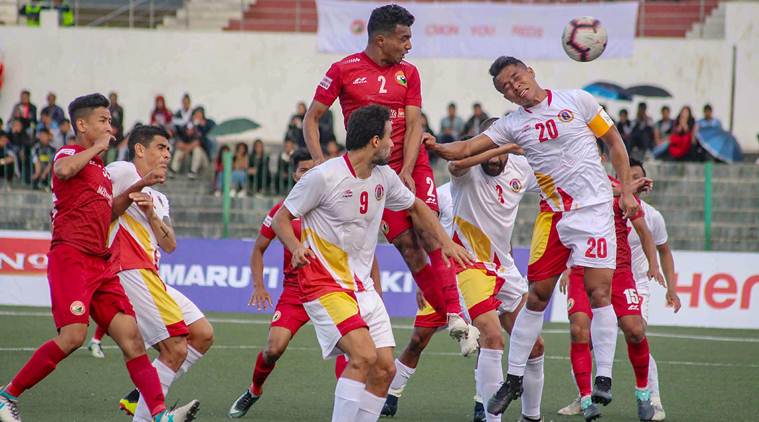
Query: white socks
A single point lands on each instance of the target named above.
(192, 357)
(348, 394)
(489, 376)
(477, 392)
(533, 388)
(166, 376)
(526, 330)
(603, 334)
(369, 407)
(653, 377)
(402, 375)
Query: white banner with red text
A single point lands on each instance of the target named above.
(479, 30)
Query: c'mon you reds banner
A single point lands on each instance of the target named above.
(479, 30)
(717, 289)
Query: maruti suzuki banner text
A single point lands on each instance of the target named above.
(479, 30)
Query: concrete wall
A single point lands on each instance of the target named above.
(262, 75)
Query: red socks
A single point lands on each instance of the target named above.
(145, 378)
(99, 333)
(438, 283)
(260, 373)
(41, 364)
(639, 354)
(582, 365)
(340, 363)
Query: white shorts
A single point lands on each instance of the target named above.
(584, 237)
(336, 314)
(643, 285)
(512, 291)
(162, 311)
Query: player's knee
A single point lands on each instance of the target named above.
(600, 296)
(273, 352)
(71, 340)
(634, 332)
(174, 353)
(536, 303)
(201, 337)
(416, 344)
(489, 340)
(537, 348)
(363, 360)
(579, 333)
(412, 254)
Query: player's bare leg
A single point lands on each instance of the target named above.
(603, 330)
(405, 366)
(527, 328)
(377, 384)
(351, 387)
(638, 351)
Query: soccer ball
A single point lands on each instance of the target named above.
(584, 39)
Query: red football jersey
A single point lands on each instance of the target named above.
(82, 206)
(291, 275)
(358, 81)
(624, 255)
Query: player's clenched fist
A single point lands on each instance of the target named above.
(629, 205)
(155, 176)
(302, 256)
(104, 142)
(144, 201)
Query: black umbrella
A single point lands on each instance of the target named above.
(648, 91)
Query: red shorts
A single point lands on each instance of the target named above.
(394, 223)
(624, 295)
(289, 313)
(83, 284)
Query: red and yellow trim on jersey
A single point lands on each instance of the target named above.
(600, 124)
(479, 242)
(334, 259)
(479, 286)
(167, 307)
(342, 308)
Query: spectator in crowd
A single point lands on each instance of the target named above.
(663, 127)
(283, 166)
(161, 116)
(642, 134)
(709, 120)
(624, 126)
(219, 170)
(683, 137)
(46, 122)
(451, 125)
(25, 111)
(332, 149)
(117, 115)
(326, 128)
(7, 160)
(472, 126)
(258, 168)
(22, 143)
(295, 126)
(183, 117)
(426, 125)
(42, 157)
(55, 112)
(193, 148)
(201, 125)
(64, 134)
(240, 165)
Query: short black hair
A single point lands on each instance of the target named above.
(364, 124)
(143, 135)
(65, 121)
(624, 110)
(451, 105)
(384, 19)
(83, 106)
(642, 105)
(707, 107)
(301, 154)
(665, 108)
(500, 63)
(44, 130)
(636, 163)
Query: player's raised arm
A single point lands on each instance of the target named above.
(427, 223)
(621, 163)
(462, 149)
(311, 129)
(68, 163)
(649, 248)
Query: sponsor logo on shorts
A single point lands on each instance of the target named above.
(515, 185)
(77, 308)
(326, 82)
(400, 77)
(379, 192)
(570, 304)
(384, 227)
(566, 116)
(276, 317)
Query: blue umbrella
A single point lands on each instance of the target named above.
(608, 90)
(661, 150)
(720, 144)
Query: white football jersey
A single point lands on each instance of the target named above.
(658, 228)
(138, 246)
(445, 205)
(340, 220)
(485, 209)
(559, 140)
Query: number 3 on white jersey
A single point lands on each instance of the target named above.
(382, 82)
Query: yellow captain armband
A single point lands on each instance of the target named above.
(600, 124)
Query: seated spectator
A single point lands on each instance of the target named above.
(663, 127)
(451, 126)
(283, 166)
(117, 115)
(327, 128)
(193, 148)
(218, 170)
(709, 120)
(22, 143)
(46, 122)
(201, 125)
(26, 112)
(240, 171)
(426, 125)
(42, 157)
(472, 126)
(183, 117)
(332, 149)
(7, 160)
(683, 137)
(55, 112)
(624, 126)
(161, 116)
(295, 126)
(65, 134)
(258, 168)
(642, 134)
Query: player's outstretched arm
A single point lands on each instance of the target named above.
(621, 163)
(282, 226)
(668, 266)
(311, 129)
(66, 167)
(460, 167)
(460, 149)
(427, 224)
(649, 249)
(260, 296)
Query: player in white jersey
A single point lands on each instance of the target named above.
(445, 203)
(167, 319)
(340, 204)
(557, 131)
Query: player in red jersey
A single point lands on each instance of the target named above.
(289, 313)
(379, 75)
(80, 274)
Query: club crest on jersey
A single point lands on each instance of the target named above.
(276, 317)
(379, 192)
(515, 185)
(400, 77)
(566, 116)
(77, 308)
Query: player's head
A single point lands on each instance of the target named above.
(636, 169)
(513, 79)
(389, 30)
(90, 116)
(301, 162)
(494, 166)
(370, 127)
(149, 147)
